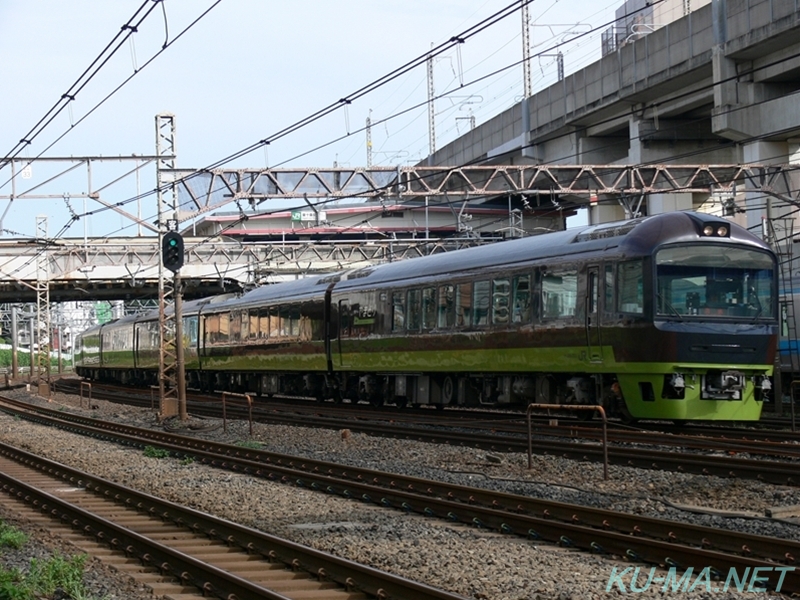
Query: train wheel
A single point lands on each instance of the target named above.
(448, 391)
(401, 401)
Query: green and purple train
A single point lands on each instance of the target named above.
(672, 316)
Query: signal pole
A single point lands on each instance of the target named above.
(170, 370)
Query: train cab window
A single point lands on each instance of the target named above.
(501, 290)
(481, 293)
(414, 314)
(464, 305)
(631, 287)
(446, 313)
(559, 294)
(428, 308)
(398, 311)
(705, 280)
(521, 301)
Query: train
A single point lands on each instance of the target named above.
(671, 316)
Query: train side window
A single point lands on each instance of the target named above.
(190, 330)
(312, 321)
(464, 305)
(245, 325)
(274, 322)
(294, 320)
(263, 322)
(559, 294)
(236, 326)
(398, 311)
(210, 328)
(254, 324)
(344, 319)
(446, 314)
(283, 313)
(609, 287)
(224, 327)
(481, 297)
(501, 289)
(414, 315)
(631, 287)
(428, 308)
(521, 300)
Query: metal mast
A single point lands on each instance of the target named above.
(42, 308)
(168, 383)
(369, 139)
(431, 113)
(526, 49)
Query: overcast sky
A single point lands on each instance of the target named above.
(246, 70)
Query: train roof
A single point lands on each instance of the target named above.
(635, 237)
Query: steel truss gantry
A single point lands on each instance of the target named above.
(205, 190)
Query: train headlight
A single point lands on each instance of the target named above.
(677, 381)
(708, 230)
(722, 231)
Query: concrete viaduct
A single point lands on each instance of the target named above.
(719, 86)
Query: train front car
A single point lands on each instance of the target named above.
(665, 317)
(700, 341)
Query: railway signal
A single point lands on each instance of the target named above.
(172, 251)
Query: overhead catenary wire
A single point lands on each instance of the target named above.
(70, 96)
(366, 87)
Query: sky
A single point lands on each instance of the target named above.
(240, 73)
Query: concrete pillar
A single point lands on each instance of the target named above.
(605, 210)
(671, 202)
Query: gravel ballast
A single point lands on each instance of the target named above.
(469, 561)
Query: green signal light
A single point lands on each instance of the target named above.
(173, 243)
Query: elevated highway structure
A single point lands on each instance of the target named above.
(718, 86)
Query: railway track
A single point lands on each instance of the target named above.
(176, 551)
(772, 442)
(640, 539)
(724, 461)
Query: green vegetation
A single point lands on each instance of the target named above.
(153, 452)
(11, 537)
(24, 359)
(187, 460)
(43, 577)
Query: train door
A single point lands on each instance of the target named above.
(593, 341)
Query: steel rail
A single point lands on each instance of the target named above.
(596, 530)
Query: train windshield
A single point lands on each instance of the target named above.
(712, 281)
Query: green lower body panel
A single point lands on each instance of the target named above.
(642, 384)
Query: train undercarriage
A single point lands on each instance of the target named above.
(409, 389)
